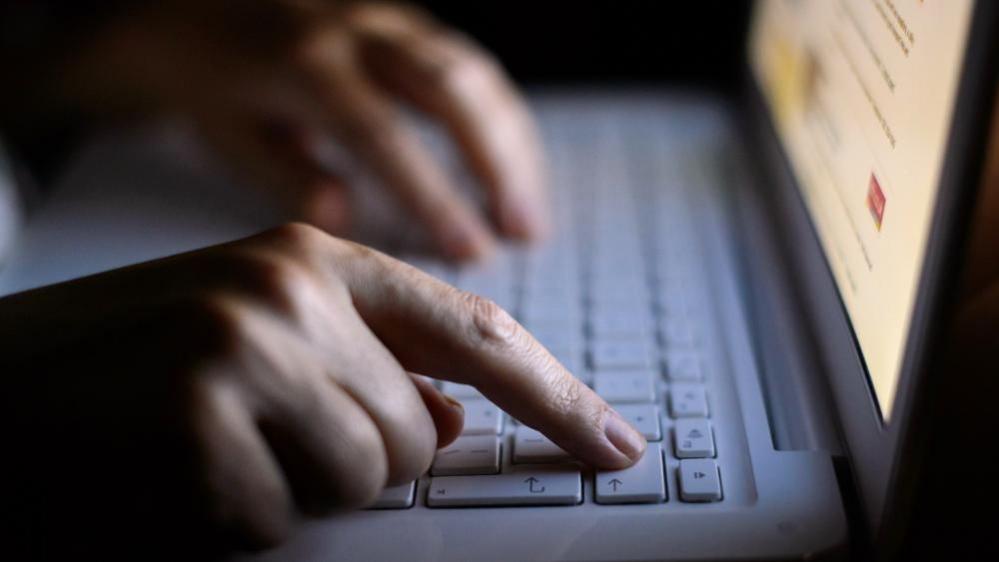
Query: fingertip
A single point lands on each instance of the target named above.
(448, 414)
(521, 219)
(626, 440)
(327, 207)
(445, 438)
(464, 240)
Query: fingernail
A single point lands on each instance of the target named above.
(454, 403)
(620, 433)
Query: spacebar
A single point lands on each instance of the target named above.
(520, 485)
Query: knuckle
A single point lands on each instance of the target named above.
(263, 523)
(351, 259)
(409, 469)
(467, 73)
(414, 449)
(279, 281)
(346, 251)
(421, 462)
(207, 325)
(200, 398)
(488, 323)
(367, 474)
(298, 237)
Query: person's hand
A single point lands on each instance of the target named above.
(223, 393)
(270, 82)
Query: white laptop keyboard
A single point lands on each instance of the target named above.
(611, 296)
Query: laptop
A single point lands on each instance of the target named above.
(753, 281)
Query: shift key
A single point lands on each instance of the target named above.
(520, 485)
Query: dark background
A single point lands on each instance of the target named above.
(593, 42)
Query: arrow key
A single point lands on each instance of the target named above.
(642, 482)
(699, 481)
(645, 418)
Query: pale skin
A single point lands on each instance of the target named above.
(251, 385)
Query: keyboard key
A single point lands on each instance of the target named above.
(543, 308)
(482, 417)
(607, 355)
(672, 275)
(472, 454)
(645, 418)
(688, 401)
(626, 386)
(521, 485)
(461, 391)
(492, 282)
(554, 337)
(699, 480)
(626, 304)
(622, 299)
(642, 482)
(618, 325)
(552, 282)
(396, 497)
(683, 367)
(672, 304)
(676, 333)
(693, 438)
(531, 446)
(618, 275)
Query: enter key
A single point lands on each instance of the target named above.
(643, 482)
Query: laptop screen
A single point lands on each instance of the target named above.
(861, 93)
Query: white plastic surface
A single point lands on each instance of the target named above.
(776, 504)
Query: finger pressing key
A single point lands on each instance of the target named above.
(432, 327)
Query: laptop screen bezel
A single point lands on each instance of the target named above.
(876, 446)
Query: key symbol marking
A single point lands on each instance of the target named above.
(532, 485)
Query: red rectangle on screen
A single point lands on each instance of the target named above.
(875, 200)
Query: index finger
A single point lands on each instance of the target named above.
(368, 123)
(449, 77)
(433, 328)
